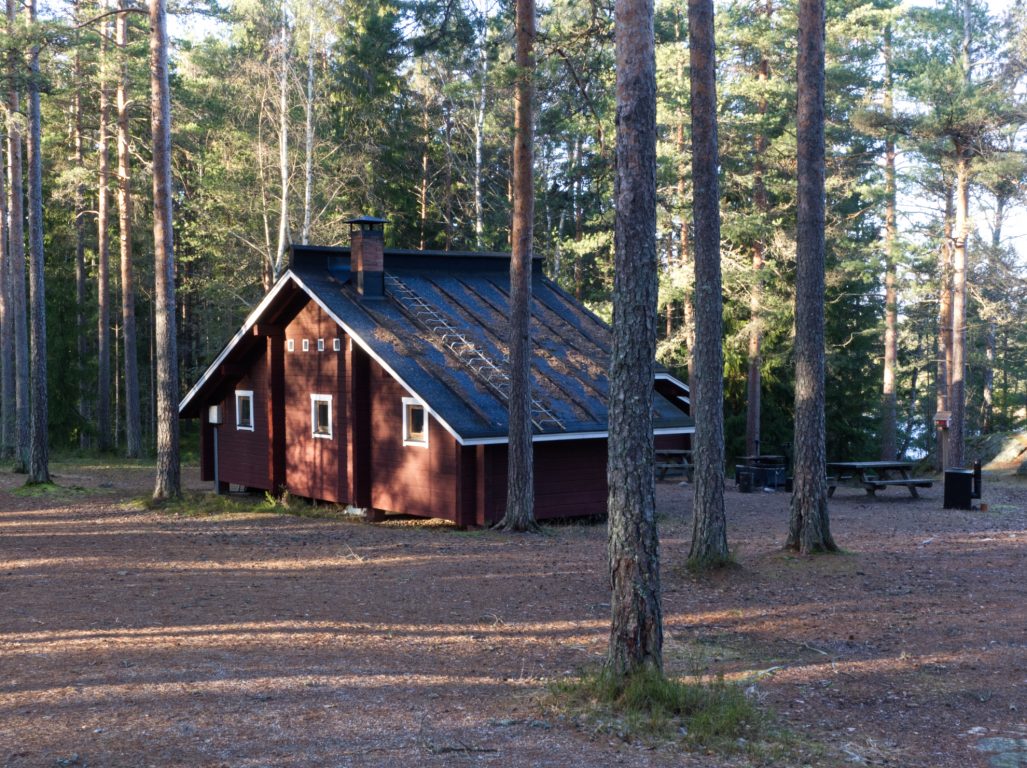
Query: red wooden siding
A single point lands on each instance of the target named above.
(314, 466)
(570, 480)
(242, 454)
(409, 478)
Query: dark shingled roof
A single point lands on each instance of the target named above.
(443, 325)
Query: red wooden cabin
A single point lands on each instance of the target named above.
(375, 378)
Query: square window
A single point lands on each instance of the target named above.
(244, 409)
(320, 345)
(415, 422)
(321, 416)
(291, 345)
(337, 345)
(306, 345)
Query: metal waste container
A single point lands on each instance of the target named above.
(959, 488)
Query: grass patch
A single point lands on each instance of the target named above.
(191, 504)
(41, 490)
(703, 715)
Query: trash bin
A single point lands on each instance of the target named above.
(744, 478)
(959, 487)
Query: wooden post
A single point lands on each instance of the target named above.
(275, 362)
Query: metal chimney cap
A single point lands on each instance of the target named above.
(366, 223)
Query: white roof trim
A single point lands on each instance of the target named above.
(251, 320)
(679, 382)
(572, 436)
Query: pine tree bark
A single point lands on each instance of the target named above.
(8, 423)
(308, 136)
(889, 400)
(636, 629)
(520, 494)
(957, 373)
(39, 457)
(709, 525)
(16, 240)
(809, 525)
(754, 379)
(133, 424)
(103, 310)
(168, 480)
(80, 252)
(283, 147)
(942, 380)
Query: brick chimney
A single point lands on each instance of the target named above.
(367, 255)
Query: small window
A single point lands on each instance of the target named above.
(320, 345)
(321, 416)
(291, 345)
(244, 409)
(415, 422)
(306, 345)
(337, 345)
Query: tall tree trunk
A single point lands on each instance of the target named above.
(80, 253)
(283, 147)
(39, 458)
(16, 240)
(988, 393)
(479, 142)
(308, 145)
(520, 493)
(709, 525)
(889, 402)
(636, 630)
(423, 190)
(957, 374)
(945, 326)
(809, 526)
(754, 379)
(8, 422)
(168, 483)
(103, 310)
(133, 424)
(448, 176)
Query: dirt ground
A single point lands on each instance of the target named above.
(138, 638)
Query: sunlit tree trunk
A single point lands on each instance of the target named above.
(16, 240)
(283, 146)
(636, 631)
(520, 494)
(80, 253)
(945, 324)
(39, 457)
(754, 379)
(168, 482)
(957, 373)
(103, 318)
(308, 171)
(709, 525)
(889, 402)
(133, 424)
(479, 141)
(809, 526)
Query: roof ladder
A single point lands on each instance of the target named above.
(474, 358)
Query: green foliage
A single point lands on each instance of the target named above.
(712, 715)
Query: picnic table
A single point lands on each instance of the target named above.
(875, 475)
(676, 459)
(766, 470)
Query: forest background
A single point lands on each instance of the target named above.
(289, 118)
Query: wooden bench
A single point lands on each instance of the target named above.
(910, 482)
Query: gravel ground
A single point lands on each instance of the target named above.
(133, 638)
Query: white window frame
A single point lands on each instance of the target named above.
(320, 345)
(291, 345)
(306, 345)
(409, 402)
(239, 395)
(314, 400)
(337, 345)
